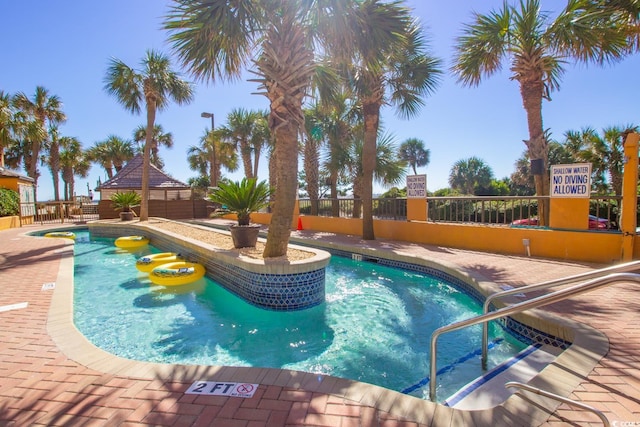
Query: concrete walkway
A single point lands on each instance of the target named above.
(41, 386)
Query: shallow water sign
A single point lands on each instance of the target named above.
(212, 388)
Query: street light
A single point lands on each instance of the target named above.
(214, 180)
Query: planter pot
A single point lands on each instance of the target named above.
(126, 216)
(244, 236)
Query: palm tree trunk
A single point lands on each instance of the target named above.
(311, 171)
(245, 152)
(146, 160)
(531, 93)
(54, 161)
(286, 153)
(371, 111)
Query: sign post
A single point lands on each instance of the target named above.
(570, 190)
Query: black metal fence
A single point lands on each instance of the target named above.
(493, 210)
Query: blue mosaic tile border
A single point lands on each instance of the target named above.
(278, 292)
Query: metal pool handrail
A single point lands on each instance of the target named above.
(544, 393)
(517, 308)
(622, 268)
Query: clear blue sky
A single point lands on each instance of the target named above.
(65, 46)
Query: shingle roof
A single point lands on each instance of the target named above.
(4, 172)
(130, 177)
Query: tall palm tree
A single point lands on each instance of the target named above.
(26, 129)
(74, 162)
(202, 159)
(260, 138)
(389, 169)
(157, 84)
(44, 108)
(536, 49)
(7, 124)
(52, 147)
(340, 122)
(215, 40)
(311, 155)
(112, 153)
(158, 139)
(240, 129)
(413, 152)
(605, 153)
(468, 174)
(389, 64)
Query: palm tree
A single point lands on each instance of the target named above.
(112, 153)
(7, 124)
(202, 159)
(159, 138)
(260, 138)
(413, 152)
(44, 108)
(389, 170)
(74, 162)
(388, 65)
(340, 121)
(536, 49)
(311, 155)
(242, 124)
(606, 153)
(217, 39)
(53, 159)
(469, 174)
(157, 84)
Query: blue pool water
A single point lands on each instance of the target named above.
(375, 325)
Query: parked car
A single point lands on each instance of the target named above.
(595, 223)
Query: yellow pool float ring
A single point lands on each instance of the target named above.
(176, 273)
(128, 242)
(63, 234)
(149, 262)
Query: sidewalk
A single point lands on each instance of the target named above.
(41, 386)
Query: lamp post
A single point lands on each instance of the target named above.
(214, 178)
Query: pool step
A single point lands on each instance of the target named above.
(489, 390)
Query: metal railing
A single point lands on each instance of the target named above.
(482, 209)
(551, 298)
(622, 268)
(554, 396)
(382, 208)
(59, 212)
(491, 210)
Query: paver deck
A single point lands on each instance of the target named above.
(41, 386)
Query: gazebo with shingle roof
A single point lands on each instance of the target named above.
(161, 185)
(168, 197)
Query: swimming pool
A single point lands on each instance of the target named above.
(374, 327)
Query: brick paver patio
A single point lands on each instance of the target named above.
(41, 386)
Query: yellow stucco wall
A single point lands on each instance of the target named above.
(581, 246)
(7, 222)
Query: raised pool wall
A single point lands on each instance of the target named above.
(271, 284)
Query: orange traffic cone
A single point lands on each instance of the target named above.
(299, 223)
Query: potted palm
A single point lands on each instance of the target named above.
(241, 198)
(123, 202)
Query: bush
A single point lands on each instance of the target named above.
(9, 202)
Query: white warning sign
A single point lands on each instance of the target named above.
(213, 388)
(571, 180)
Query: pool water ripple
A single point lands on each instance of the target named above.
(374, 327)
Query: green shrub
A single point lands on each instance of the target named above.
(9, 202)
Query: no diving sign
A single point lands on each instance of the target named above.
(212, 388)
